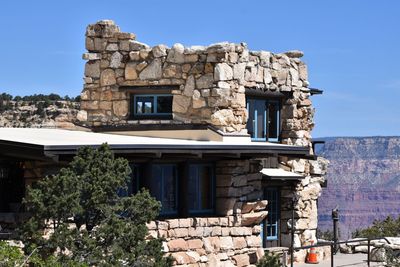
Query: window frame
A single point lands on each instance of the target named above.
(267, 101)
(145, 173)
(153, 115)
(276, 223)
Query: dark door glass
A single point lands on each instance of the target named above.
(273, 120)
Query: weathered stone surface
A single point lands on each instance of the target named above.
(159, 50)
(253, 217)
(82, 115)
(226, 243)
(175, 54)
(91, 56)
(130, 71)
(189, 86)
(107, 77)
(223, 72)
(195, 243)
(378, 255)
(92, 69)
(120, 108)
(205, 81)
(177, 245)
(241, 260)
(152, 71)
(136, 46)
(294, 54)
(115, 60)
(112, 47)
(254, 206)
(180, 103)
(182, 258)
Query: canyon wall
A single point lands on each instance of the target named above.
(363, 179)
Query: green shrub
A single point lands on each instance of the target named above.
(10, 256)
(269, 260)
(384, 228)
(90, 222)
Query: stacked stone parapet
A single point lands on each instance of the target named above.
(209, 241)
(210, 82)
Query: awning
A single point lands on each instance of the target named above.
(279, 174)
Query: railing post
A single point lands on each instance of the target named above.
(369, 259)
(335, 218)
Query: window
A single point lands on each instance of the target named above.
(163, 186)
(183, 189)
(201, 188)
(151, 106)
(264, 119)
(270, 225)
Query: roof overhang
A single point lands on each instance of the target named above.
(316, 91)
(53, 143)
(279, 174)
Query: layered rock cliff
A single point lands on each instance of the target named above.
(363, 180)
(39, 114)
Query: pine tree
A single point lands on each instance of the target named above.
(88, 221)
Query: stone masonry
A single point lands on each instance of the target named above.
(210, 85)
(210, 81)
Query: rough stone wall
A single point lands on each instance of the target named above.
(210, 81)
(306, 194)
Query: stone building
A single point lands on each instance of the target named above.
(220, 135)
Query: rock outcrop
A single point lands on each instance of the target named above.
(58, 114)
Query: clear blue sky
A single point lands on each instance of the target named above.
(352, 47)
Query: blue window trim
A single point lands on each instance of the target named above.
(255, 121)
(154, 103)
(213, 181)
(275, 192)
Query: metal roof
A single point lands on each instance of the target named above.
(278, 174)
(59, 141)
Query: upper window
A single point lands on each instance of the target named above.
(264, 119)
(151, 106)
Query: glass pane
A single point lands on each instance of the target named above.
(272, 195)
(260, 124)
(200, 187)
(139, 107)
(206, 187)
(169, 183)
(155, 183)
(148, 107)
(250, 122)
(164, 104)
(193, 188)
(273, 120)
(144, 104)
